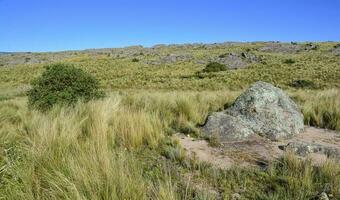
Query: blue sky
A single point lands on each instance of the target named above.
(53, 25)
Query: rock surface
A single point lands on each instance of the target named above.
(305, 148)
(280, 48)
(232, 61)
(323, 196)
(236, 61)
(262, 109)
(336, 50)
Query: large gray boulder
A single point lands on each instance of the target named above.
(262, 109)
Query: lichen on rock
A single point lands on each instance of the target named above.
(262, 109)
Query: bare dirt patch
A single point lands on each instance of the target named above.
(259, 150)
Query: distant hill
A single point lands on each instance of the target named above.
(5, 53)
(180, 66)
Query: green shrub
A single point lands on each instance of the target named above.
(307, 84)
(223, 55)
(135, 60)
(27, 59)
(215, 67)
(62, 84)
(289, 61)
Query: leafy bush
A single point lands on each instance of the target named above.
(135, 60)
(223, 55)
(215, 67)
(62, 84)
(289, 61)
(303, 84)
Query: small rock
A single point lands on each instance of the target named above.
(323, 196)
(235, 196)
(310, 46)
(336, 49)
(305, 148)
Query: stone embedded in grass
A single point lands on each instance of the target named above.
(305, 148)
(236, 61)
(336, 49)
(232, 60)
(288, 48)
(262, 109)
(280, 48)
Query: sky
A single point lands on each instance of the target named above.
(55, 25)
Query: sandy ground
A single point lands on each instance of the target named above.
(256, 150)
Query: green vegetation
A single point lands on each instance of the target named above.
(62, 84)
(119, 72)
(120, 146)
(306, 84)
(289, 61)
(215, 67)
(321, 109)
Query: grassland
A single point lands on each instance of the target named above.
(121, 147)
(116, 69)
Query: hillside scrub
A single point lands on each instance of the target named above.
(119, 148)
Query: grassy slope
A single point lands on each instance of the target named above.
(119, 148)
(320, 66)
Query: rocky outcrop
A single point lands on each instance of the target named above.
(232, 61)
(262, 109)
(236, 61)
(336, 49)
(305, 148)
(170, 59)
(288, 47)
(280, 48)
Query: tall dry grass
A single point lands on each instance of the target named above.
(83, 152)
(111, 149)
(69, 153)
(320, 108)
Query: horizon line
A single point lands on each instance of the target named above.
(169, 44)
